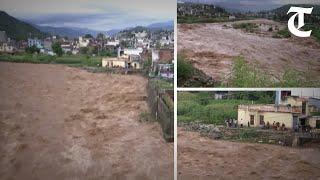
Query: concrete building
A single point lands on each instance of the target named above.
(155, 55)
(66, 47)
(114, 62)
(231, 17)
(259, 115)
(132, 62)
(129, 51)
(135, 62)
(165, 71)
(3, 37)
(306, 92)
(47, 44)
(140, 35)
(113, 43)
(292, 111)
(7, 48)
(314, 122)
(83, 42)
(35, 42)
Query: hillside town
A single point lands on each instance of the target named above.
(128, 49)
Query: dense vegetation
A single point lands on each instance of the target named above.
(248, 27)
(193, 19)
(185, 69)
(17, 29)
(250, 75)
(201, 13)
(32, 50)
(188, 76)
(46, 59)
(56, 47)
(201, 106)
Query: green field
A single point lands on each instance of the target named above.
(75, 60)
(192, 19)
(201, 106)
(248, 27)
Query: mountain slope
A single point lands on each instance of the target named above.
(17, 29)
(280, 14)
(284, 9)
(162, 25)
(73, 32)
(67, 31)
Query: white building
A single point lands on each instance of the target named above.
(6, 47)
(75, 51)
(141, 35)
(166, 41)
(48, 52)
(306, 92)
(113, 43)
(66, 47)
(155, 55)
(83, 42)
(35, 42)
(129, 51)
(232, 17)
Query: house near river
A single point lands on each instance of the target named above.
(129, 59)
(292, 111)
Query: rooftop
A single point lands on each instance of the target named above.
(114, 59)
(271, 108)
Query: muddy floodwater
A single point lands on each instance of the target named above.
(213, 47)
(205, 158)
(58, 122)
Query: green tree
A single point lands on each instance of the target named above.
(33, 49)
(108, 53)
(100, 36)
(84, 50)
(158, 45)
(92, 50)
(147, 63)
(185, 69)
(124, 43)
(56, 47)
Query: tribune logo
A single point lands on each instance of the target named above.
(300, 13)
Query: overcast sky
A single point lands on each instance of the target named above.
(254, 5)
(93, 14)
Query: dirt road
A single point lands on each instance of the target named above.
(58, 122)
(204, 158)
(213, 47)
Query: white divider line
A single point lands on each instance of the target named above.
(175, 153)
(241, 89)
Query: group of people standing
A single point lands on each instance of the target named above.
(231, 123)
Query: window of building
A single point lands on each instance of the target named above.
(304, 107)
(251, 119)
(318, 124)
(261, 120)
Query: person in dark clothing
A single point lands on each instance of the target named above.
(268, 125)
